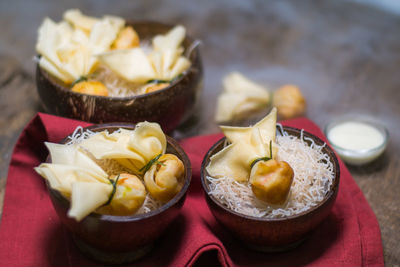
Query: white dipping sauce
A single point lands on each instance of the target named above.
(357, 142)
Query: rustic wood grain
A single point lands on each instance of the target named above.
(344, 56)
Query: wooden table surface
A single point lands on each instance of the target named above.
(344, 56)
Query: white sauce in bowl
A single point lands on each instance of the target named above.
(355, 136)
(357, 142)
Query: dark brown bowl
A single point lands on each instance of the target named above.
(270, 235)
(120, 239)
(169, 106)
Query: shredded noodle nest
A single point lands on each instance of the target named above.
(313, 178)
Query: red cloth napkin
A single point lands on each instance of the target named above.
(32, 235)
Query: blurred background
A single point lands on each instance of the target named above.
(332, 50)
(344, 55)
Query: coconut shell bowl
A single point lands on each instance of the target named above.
(122, 239)
(276, 234)
(169, 106)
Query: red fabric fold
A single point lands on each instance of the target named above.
(32, 235)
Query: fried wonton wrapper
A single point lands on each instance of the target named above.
(67, 48)
(87, 197)
(148, 140)
(77, 177)
(248, 144)
(266, 128)
(80, 21)
(164, 178)
(234, 161)
(130, 64)
(132, 149)
(240, 97)
(164, 62)
(171, 40)
(168, 47)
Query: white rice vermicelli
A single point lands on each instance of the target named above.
(313, 178)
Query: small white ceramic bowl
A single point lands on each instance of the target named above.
(358, 156)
